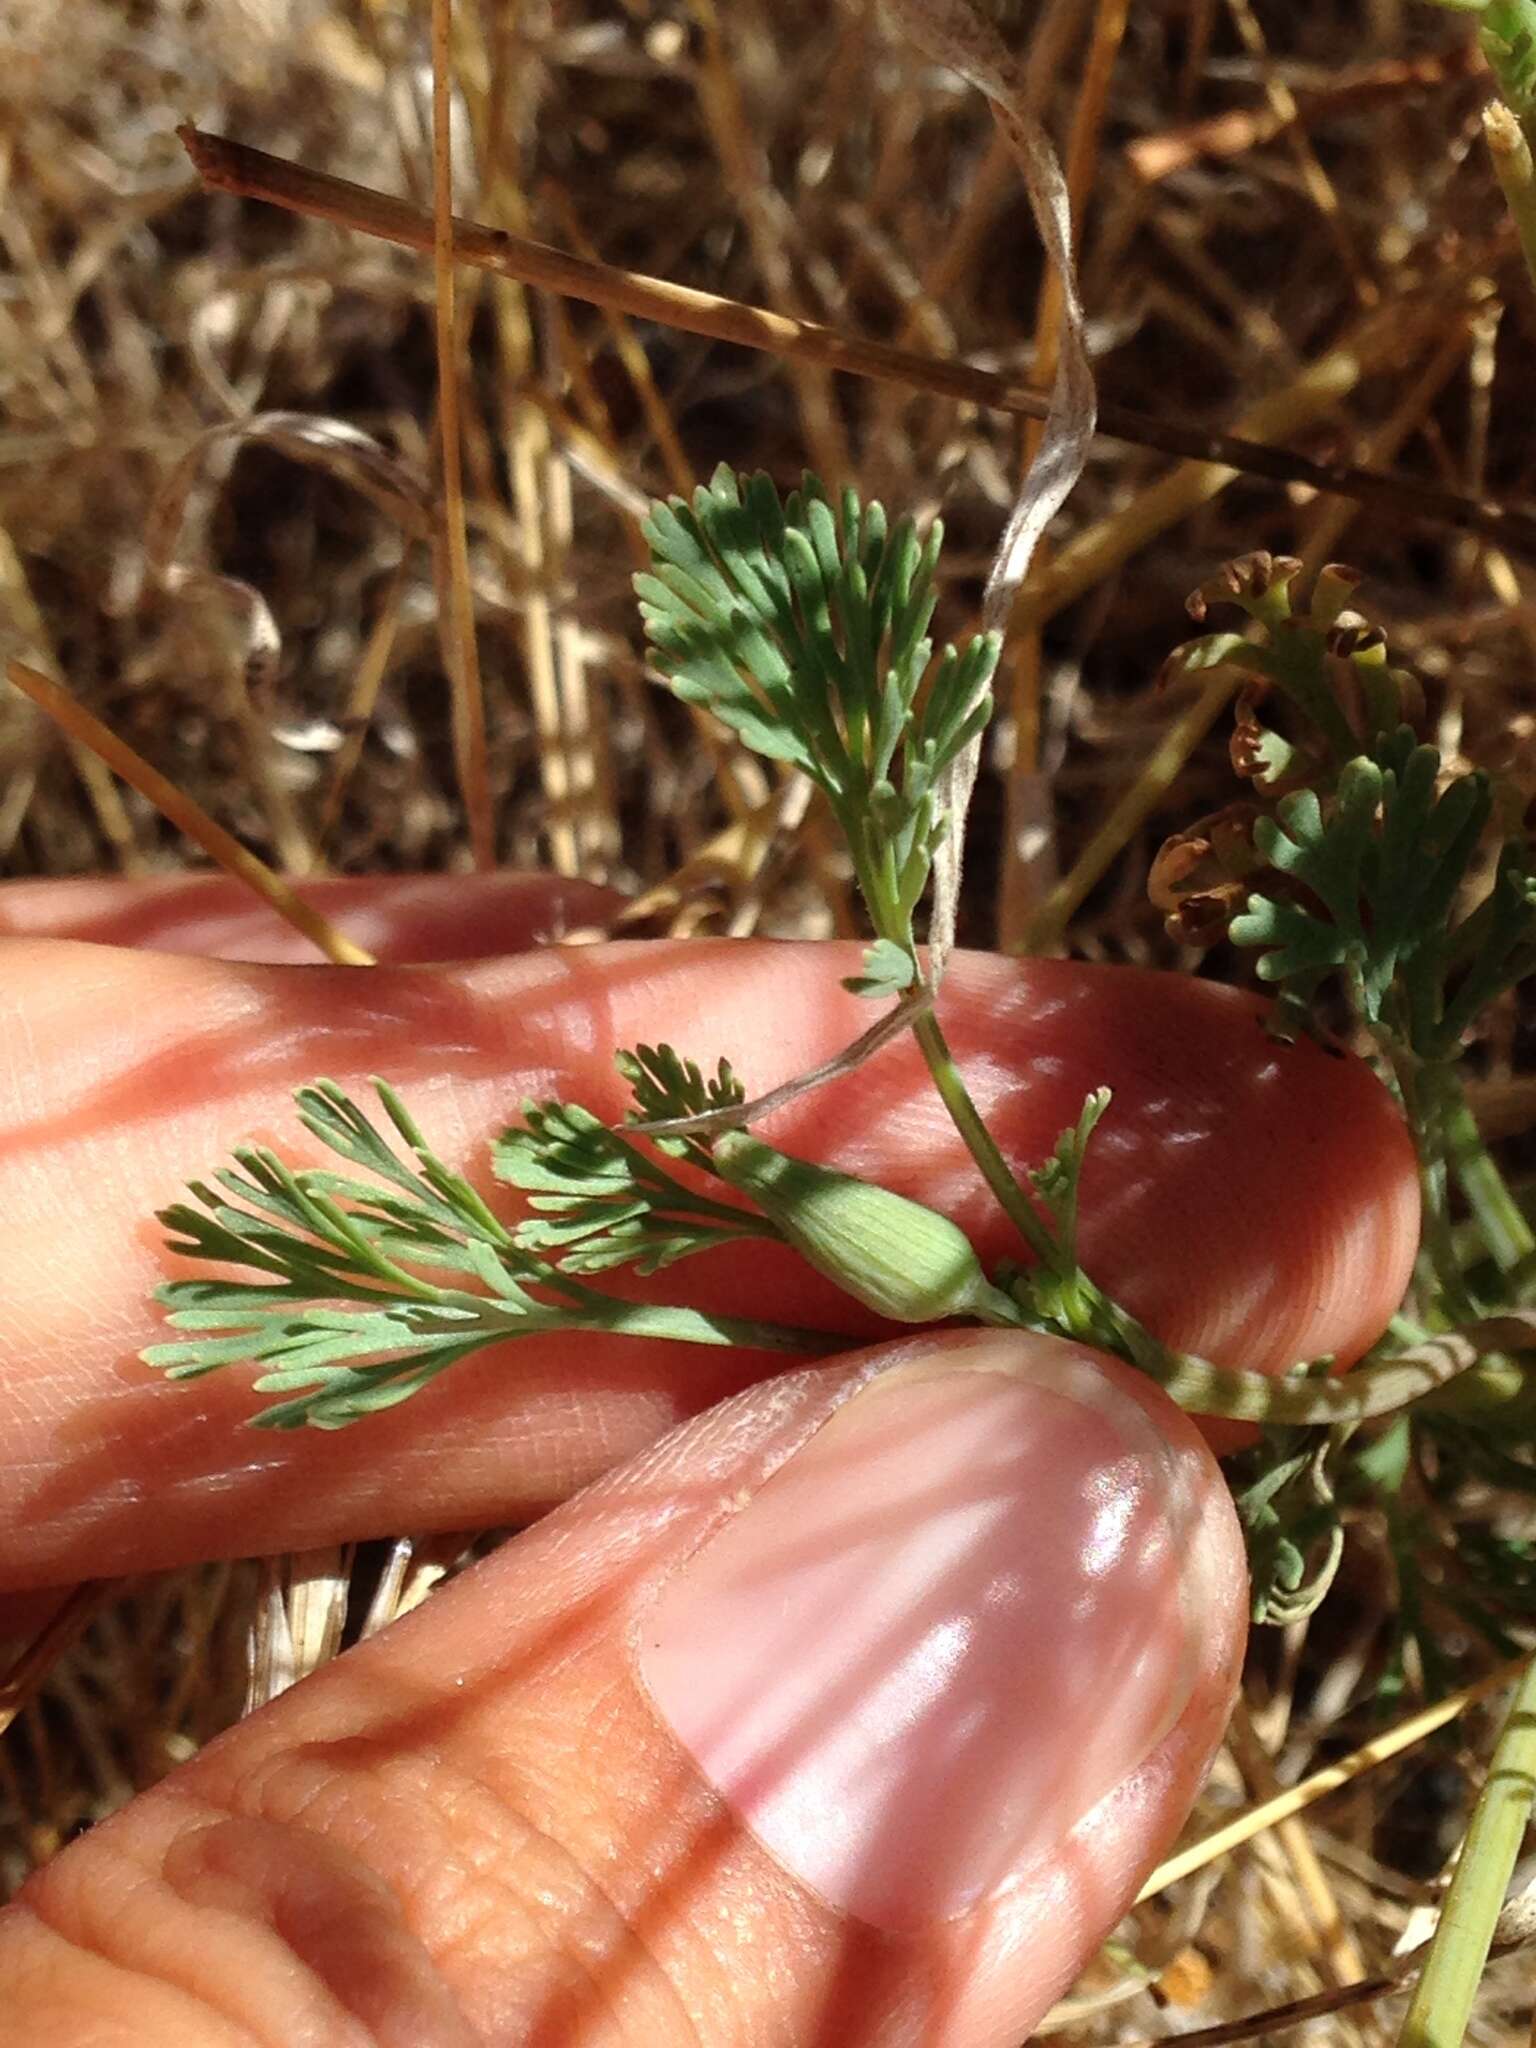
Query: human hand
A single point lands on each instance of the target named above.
(856, 1710)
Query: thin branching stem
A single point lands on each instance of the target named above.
(1510, 155)
(1504, 1228)
(1442, 2001)
(982, 1146)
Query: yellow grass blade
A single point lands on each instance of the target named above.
(78, 724)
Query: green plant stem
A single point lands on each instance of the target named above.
(601, 1313)
(1423, 1104)
(1195, 1383)
(1505, 1230)
(1012, 1198)
(1510, 154)
(1442, 1999)
(1497, 1389)
(1453, 1358)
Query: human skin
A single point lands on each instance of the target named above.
(525, 1815)
(1252, 1202)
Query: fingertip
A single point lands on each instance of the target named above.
(961, 1664)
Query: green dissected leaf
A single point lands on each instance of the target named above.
(371, 1286)
(1489, 952)
(667, 1087)
(1378, 851)
(599, 1201)
(805, 630)
(1059, 1181)
(356, 1307)
(1294, 1535)
(1379, 868)
(1056, 1294)
(889, 970)
(348, 1361)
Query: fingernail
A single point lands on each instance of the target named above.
(940, 1633)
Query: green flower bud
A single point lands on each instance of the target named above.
(904, 1261)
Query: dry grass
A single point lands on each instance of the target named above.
(219, 463)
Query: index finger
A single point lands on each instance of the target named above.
(1251, 1201)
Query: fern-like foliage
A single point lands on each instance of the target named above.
(371, 1282)
(667, 1088)
(805, 629)
(598, 1199)
(1359, 856)
(1377, 873)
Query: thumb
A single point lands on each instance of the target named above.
(854, 1712)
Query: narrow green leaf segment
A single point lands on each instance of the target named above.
(373, 1282)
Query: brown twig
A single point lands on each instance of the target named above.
(770, 227)
(635, 361)
(20, 1682)
(363, 697)
(1315, 181)
(1236, 130)
(234, 167)
(1393, 1742)
(1276, 2017)
(1029, 842)
(1516, 1925)
(85, 729)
